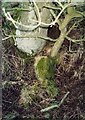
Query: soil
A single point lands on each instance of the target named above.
(69, 76)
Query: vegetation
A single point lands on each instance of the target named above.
(44, 81)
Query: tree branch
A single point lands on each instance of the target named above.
(56, 106)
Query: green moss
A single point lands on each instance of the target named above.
(45, 70)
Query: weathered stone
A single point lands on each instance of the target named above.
(29, 44)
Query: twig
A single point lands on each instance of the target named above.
(21, 9)
(71, 29)
(75, 40)
(6, 101)
(60, 4)
(53, 14)
(73, 26)
(56, 19)
(47, 38)
(53, 23)
(31, 28)
(37, 11)
(50, 7)
(7, 37)
(56, 106)
(22, 26)
(63, 99)
(30, 36)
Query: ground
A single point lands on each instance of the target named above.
(18, 71)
